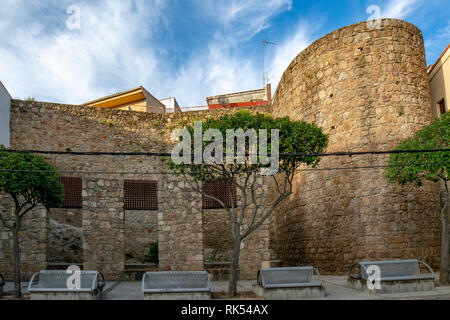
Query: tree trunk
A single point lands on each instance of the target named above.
(443, 276)
(445, 217)
(16, 252)
(234, 272)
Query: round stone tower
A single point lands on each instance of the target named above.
(368, 89)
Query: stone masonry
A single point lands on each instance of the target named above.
(108, 233)
(367, 89)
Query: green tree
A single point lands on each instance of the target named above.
(431, 166)
(29, 180)
(294, 137)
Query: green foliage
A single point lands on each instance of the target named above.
(30, 177)
(214, 258)
(152, 255)
(294, 137)
(431, 166)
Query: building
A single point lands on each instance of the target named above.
(367, 89)
(247, 99)
(5, 106)
(171, 105)
(138, 99)
(439, 75)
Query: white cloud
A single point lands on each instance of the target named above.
(436, 44)
(398, 9)
(115, 50)
(73, 66)
(244, 19)
(286, 51)
(215, 72)
(220, 68)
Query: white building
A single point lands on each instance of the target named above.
(171, 105)
(5, 107)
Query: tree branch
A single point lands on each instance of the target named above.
(286, 194)
(200, 191)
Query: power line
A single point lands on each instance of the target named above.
(243, 171)
(193, 155)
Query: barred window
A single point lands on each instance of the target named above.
(219, 190)
(140, 195)
(72, 192)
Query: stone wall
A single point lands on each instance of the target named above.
(218, 240)
(368, 89)
(56, 127)
(65, 243)
(33, 239)
(5, 106)
(255, 252)
(65, 236)
(141, 230)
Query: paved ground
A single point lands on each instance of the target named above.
(9, 287)
(335, 289)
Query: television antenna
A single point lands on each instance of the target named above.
(264, 43)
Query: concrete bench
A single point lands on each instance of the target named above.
(395, 276)
(176, 285)
(2, 283)
(289, 283)
(52, 285)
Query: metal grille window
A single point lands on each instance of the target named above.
(72, 192)
(140, 195)
(219, 190)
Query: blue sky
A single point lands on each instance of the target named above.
(189, 49)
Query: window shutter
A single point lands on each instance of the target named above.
(140, 195)
(72, 192)
(219, 190)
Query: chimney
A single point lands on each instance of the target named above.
(269, 93)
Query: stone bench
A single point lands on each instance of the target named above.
(2, 283)
(289, 283)
(176, 285)
(395, 276)
(52, 285)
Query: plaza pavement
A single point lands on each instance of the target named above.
(335, 289)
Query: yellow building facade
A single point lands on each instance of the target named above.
(138, 99)
(439, 76)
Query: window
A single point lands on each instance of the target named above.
(140, 195)
(442, 106)
(72, 192)
(219, 190)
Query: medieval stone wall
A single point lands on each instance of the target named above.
(65, 244)
(368, 89)
(219, 242)
(33, 239)
(107, 230)
(141, 230)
